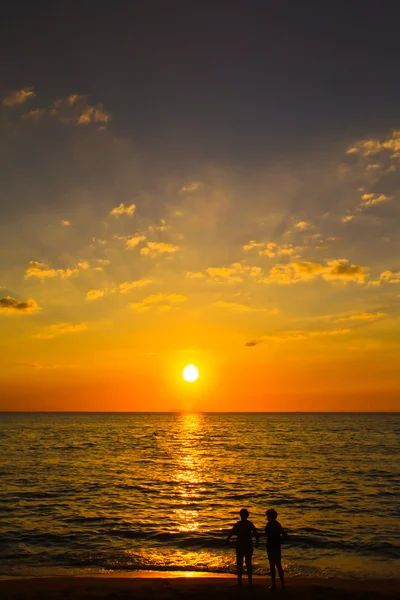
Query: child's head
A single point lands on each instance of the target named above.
(244, 514)
(272, 515)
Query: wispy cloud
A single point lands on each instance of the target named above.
(271, 249)
(128, 286)
(190, 187)
(302, 334)
(73, 110)
(66, 223)
(235, 306)
(364, 316)
(57, 329)
(19, 96)
(195, 275)
(94, 294)
(161, 301)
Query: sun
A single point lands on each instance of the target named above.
(190, 373)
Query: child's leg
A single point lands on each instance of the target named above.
(273, 573)
(239, 564)
(249, 566)
(280, 571)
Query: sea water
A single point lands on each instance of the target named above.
(116, 492)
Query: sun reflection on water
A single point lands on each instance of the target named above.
(188, 475)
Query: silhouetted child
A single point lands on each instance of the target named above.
(274, 531)
(244, 530)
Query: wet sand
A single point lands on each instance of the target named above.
(190, 586)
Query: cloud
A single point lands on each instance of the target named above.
(303, 225)
(195, 275)
(233, 274)
(289, 336)
(333, 270)
(41, 270)
(253, 343)
(66, 223)
(127, 286)
(122, 288)
(103, 261)
(243, 307)
(160, 300)
(11, 306)
(83, 264)
(373, 146)
(57, 329)
(19, 96)
(365, 316)
(134, 241)
(153, 249)
(73, 110)
(94, 294)
(341, 269)
(190, 187)
(123, 210)
(390, 277)
(271, 249)
(373, 199)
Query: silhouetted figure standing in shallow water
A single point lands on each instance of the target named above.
(244, 531)
(274, 531)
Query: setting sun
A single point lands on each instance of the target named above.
(190, 373)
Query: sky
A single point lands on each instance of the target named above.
(200, 183)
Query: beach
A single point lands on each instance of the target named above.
(167, 587)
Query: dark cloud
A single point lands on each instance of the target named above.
(253, 343)
(12, 306)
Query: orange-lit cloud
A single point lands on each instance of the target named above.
(73, 110)
(132, 242)
(235, 306)
(333, 270)
(271, 249)
(11, 306)
(364, 316)
(288, 336)
(153, 249)
(161, 301)
(57, 329)
(19, 97)
(127, 286)
(94, 294)
(123, 210)
(43, 271)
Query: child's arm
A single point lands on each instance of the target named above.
(257, 536)
(231, 533)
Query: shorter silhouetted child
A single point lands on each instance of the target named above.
(274, 532)
(244, 530)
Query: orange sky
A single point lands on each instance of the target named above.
(284, 302)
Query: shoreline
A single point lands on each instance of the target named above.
(170, 585)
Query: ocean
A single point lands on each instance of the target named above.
(121, 492)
